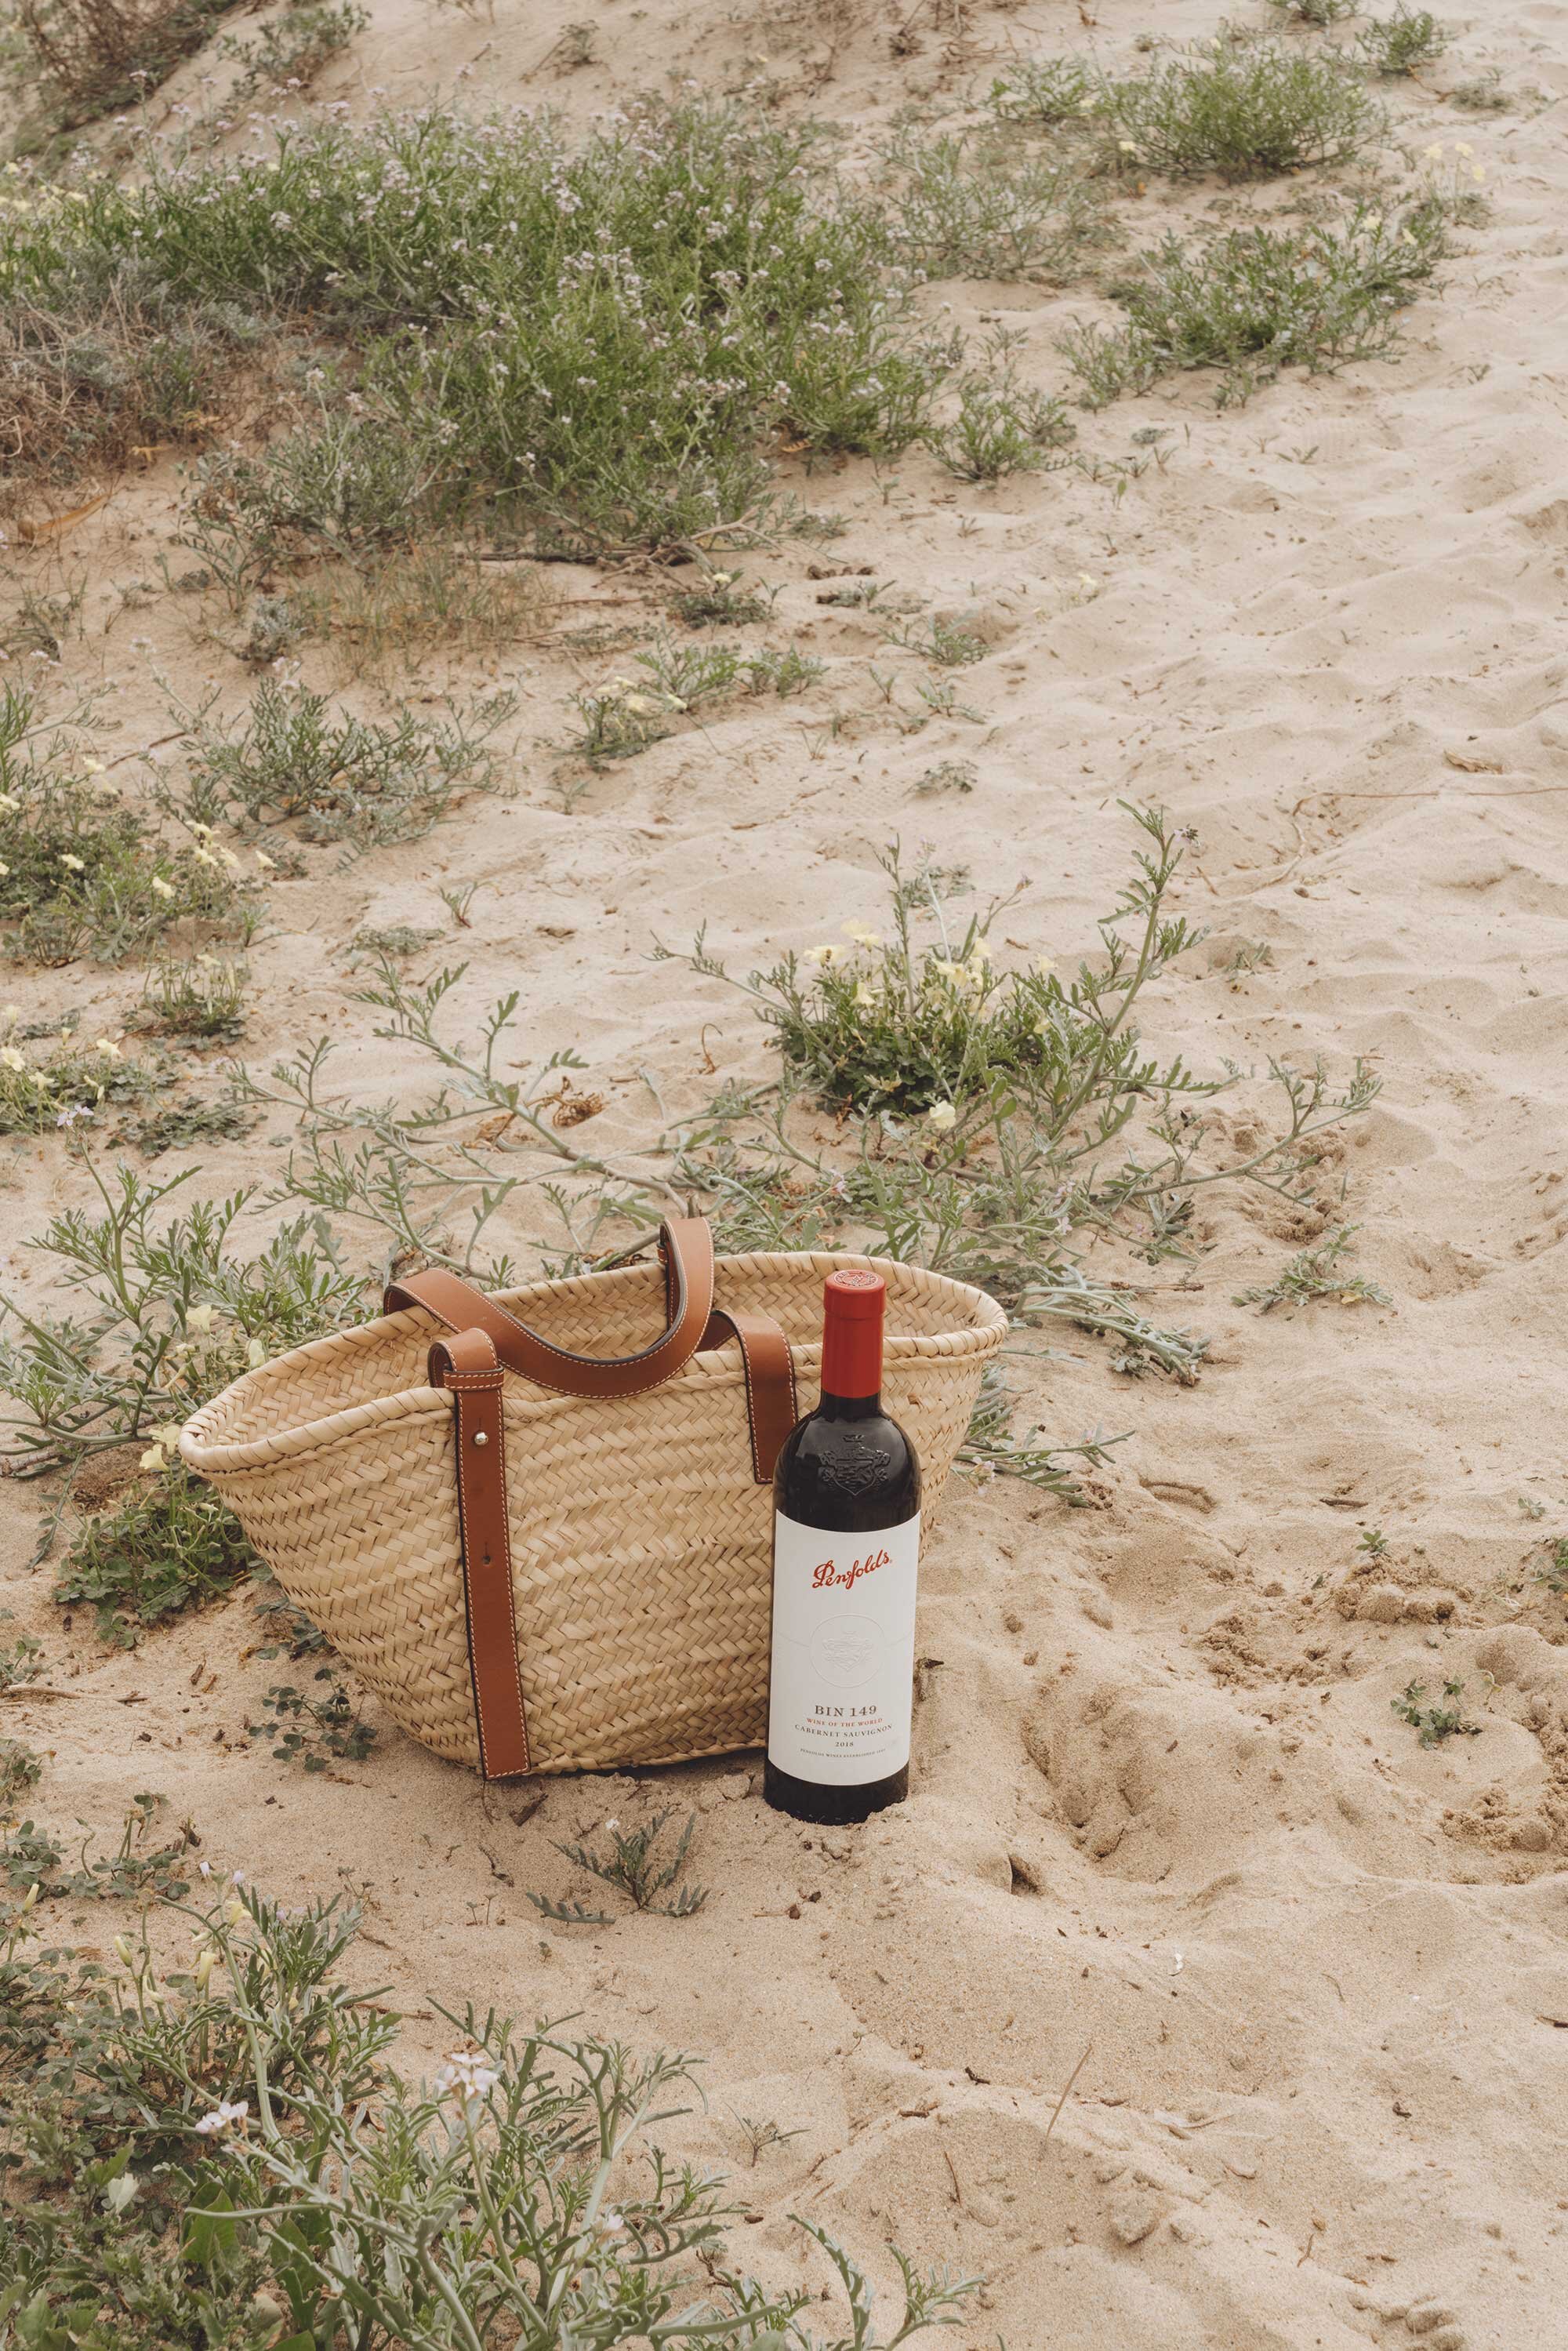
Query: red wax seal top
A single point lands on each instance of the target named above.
(854, 1302)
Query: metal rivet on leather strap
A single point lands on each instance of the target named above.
(480, 1437)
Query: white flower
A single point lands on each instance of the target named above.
(862, 936)
(941, 1115)
(5, 871)
(205, 1868)
(466, 2071)
(825, 954)
(227, 2111)
(200, 1318)
(73, 864)
(11, 1058)
(267, 864)
(106, 1047)
(9, 803)
(92, 767)
(164, 889)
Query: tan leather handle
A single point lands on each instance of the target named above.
(686, 1246)
(468, 1367)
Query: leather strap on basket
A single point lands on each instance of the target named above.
(686, 1247)
(692, 1322)
(468, 1367)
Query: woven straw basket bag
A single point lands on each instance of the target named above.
(550, 1560)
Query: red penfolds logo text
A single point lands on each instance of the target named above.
(846, 1578)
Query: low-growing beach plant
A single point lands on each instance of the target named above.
(290, 52)
(723, 600)
(1433, 1720)
(83, 871)
(1553, 1569)
(969, 203)
(292, 757)
(181, 1121)
(1316, 12)
(316, 1727)
(1315, 1273)
(168, 1546)
(759, 2136)
(993, 1447)
(199, 1002)
(635, 1867)
(162, 1313)
(1001, 427)
(1403, 43)
(136, 1870)
(939, 641)
(219, 2153)
(592, 343)
(97, 55)
(1243, 110)
(1048, 91)
(66, 1086)
(1252, 301)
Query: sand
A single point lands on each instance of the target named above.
(1168, 1838)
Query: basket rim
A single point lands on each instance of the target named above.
(984, 1325)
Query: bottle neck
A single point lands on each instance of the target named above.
(860, 1407)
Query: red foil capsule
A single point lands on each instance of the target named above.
(855, 1301)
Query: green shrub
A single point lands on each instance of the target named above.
(97, 55)
(972, 205)
(164, 1315)
(170, 1545)
(1001, 428)
(201, 1002)
(1256, 300)
(66, 1086)
(1240, 109)
(81, 871)
(218, 2155)
(293, 758)
(1403, 43)
(604, 338)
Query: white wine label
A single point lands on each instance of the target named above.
(841, 1688)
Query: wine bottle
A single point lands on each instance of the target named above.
(846, 1542)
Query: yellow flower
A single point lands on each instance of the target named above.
(865, 993)
(11, 1058)
(122, 1945)
(9, 803)
(1432, 153)
(168, 1434)
(1044, 966)
(74, 863)
(861, 936)
(200, 1318)
(205, 1962)
(1477, 171)
(106, 1045)
(941, 1115)
(267, 864)
(92, 767)
(1463, 147)
(825, 954)
(164, 889)
(152, 1458)
(204, 857)
(5, 871)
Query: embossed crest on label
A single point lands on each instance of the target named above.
(840, 1686)
(854, 1466)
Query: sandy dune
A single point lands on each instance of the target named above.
(1165, 1814)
